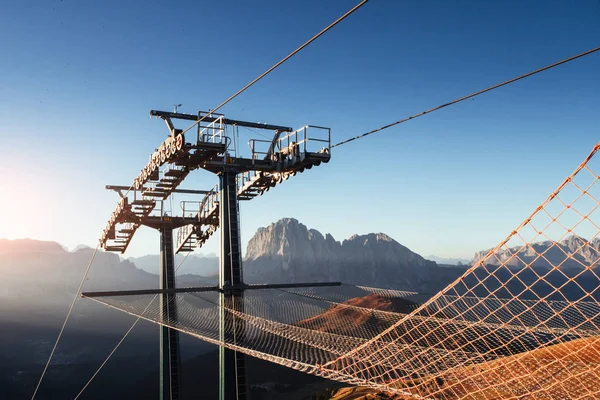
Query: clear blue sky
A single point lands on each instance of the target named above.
(77, 79)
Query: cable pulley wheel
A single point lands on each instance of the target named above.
(179, 142)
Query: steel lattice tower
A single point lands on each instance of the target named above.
(240, 178)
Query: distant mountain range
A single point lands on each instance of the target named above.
(285, 251)
(40, 279)
(203, 265)
(448, 261)
(574, 252)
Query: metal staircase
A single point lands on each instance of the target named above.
(190, 237)
(170, 180)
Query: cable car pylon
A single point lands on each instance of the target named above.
(240, 178)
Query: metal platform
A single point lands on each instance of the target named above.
(270, 163)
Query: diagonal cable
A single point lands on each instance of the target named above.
(537, 71)
(315, 37)
(284, 59)
(66, 320)
(123, 338)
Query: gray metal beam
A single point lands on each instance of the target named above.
(174, 222)
(208, 289)
(150, 291)
(187, 191)
(290, 285)
(226, 121)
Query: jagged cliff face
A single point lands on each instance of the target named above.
(287, 251)
(289, 237)
(572, 252)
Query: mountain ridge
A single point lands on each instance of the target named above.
(288, 251)
(573, 252)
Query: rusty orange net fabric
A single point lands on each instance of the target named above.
(522, 322)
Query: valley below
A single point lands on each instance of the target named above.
(42, 278)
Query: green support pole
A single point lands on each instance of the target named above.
(169, 338)
(232, 369)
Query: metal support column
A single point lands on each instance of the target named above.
(232, 384)
(169, 338)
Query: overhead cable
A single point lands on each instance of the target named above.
(537, 71)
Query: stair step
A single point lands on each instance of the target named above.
(154, 194)
(114, 248)
(175, 172)
(143, 203)
(169, 181)
(144, 209)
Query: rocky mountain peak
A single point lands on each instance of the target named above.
(287, 251)
(371, 238)
(289, 238)
(574, 242)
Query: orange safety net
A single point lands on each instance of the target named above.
(523, 322)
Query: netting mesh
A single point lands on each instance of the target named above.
(303, 331)
(522, 322)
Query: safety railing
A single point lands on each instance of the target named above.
(190, 208)
(308, 139)
(183, 234)
(212, 132)
(244, 178)
(259, 149)
(209, 203)
(202, 209)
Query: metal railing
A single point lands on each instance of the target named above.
(211, 132)
(190, 208)
(202, 209)
(182, 234)
(308, 139)
(256, 153)
(245, 177)
(302, 139)
(209, 203)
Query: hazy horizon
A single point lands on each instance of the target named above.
(446, 184)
